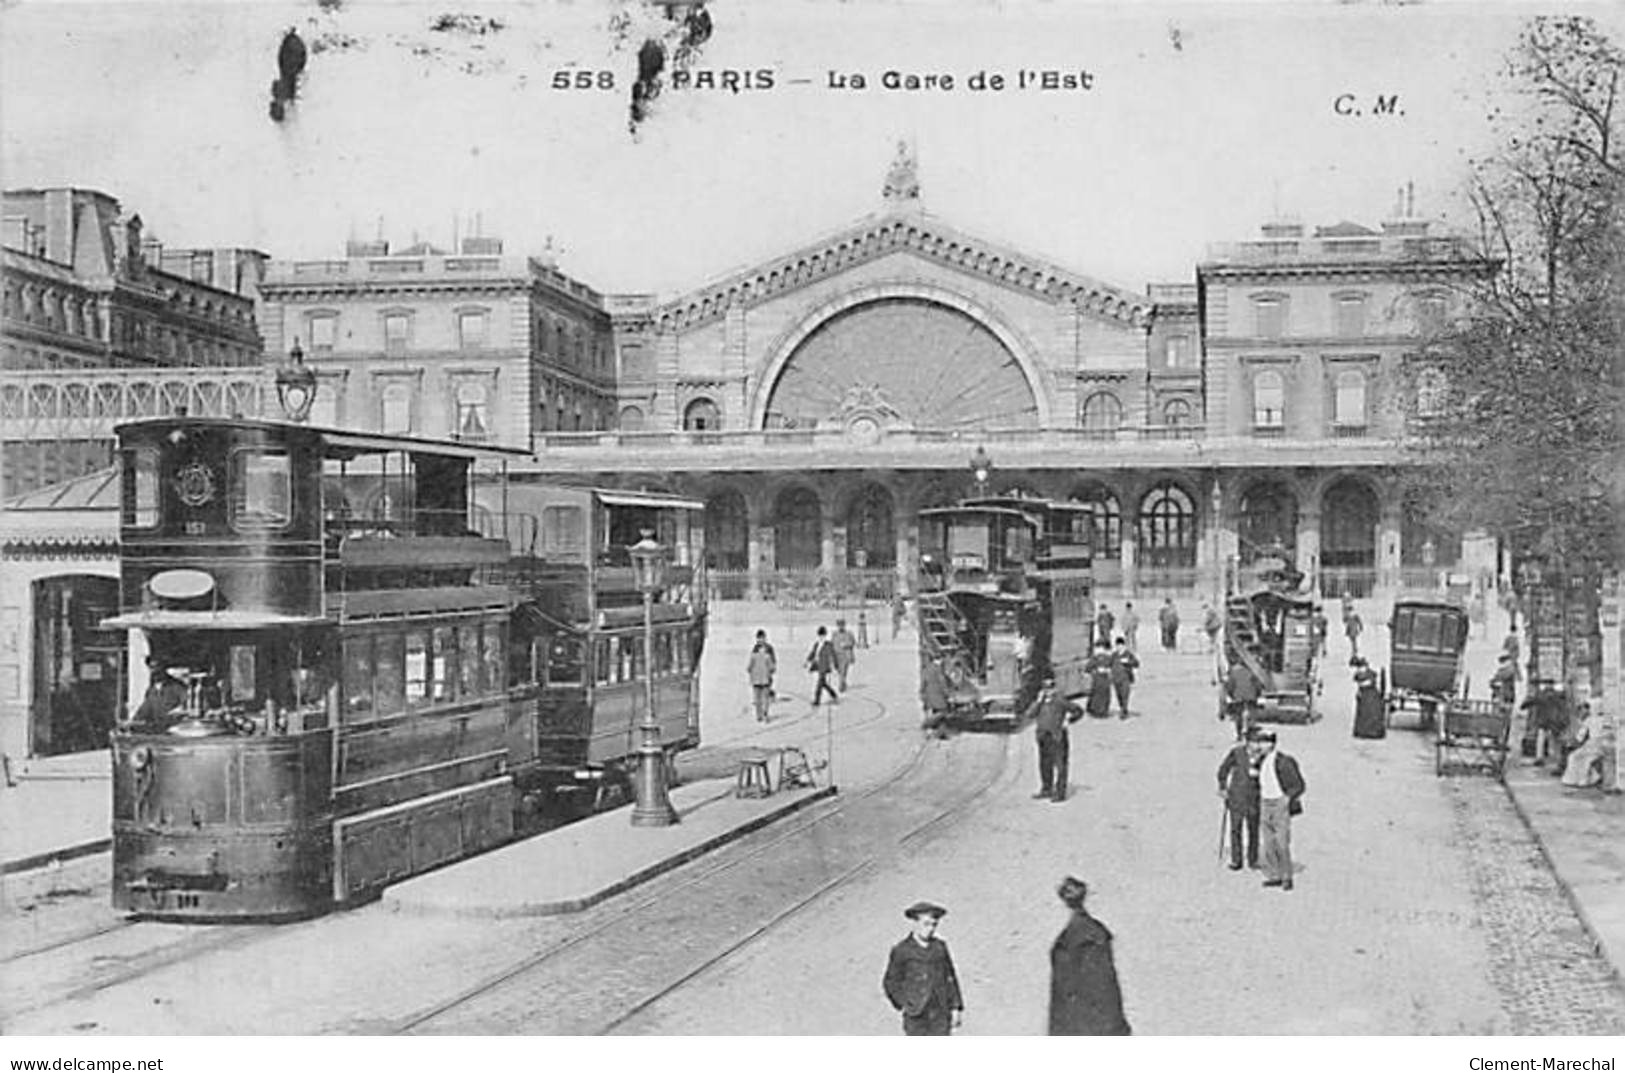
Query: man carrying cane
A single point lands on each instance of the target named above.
(1238, 786)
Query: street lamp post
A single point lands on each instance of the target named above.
(295, 385)
(981, 467)
(653, 804)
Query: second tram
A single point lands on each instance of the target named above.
(1005, 598)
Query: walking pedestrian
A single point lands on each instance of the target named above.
(820, 662)
(899, 611)
(1084, 996)
(934, 694)
(1099, 668)
(1280, 786)
(1168, 620)
(863, 629)
(846, 651)
(1124, 664)
(1131, 628)
(1511, 647)
(1104, 621)
(1318, 627)
(1212, 624)
(1370, 719)
(1353, 627)
(920, 981)
(761, 666)
(1238, 786)
(1050, 713)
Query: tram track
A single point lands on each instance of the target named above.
(835, 860)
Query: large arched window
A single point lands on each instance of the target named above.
(1348, 399)
(1348, 526)
(1176, 412)
(1101, 413)
(702, 415)
(1167, 527)
(1268, 517)
(1106, 538)
(1269, 399)
(631, 419)
(797, 530)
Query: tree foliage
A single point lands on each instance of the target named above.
(1521, 434)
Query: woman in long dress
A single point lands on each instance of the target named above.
(1084, 997)
(1370, 720)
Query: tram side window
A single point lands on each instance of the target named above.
(471, 678)
(564, 662)
(389, 680)
(140, 488)
(496, 662)
(261, 489)
(357, 679)
(243, 678)
(445, 660)
(564, 531)
(417, 669)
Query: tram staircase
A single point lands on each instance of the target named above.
(940, 625)
(1242, 640)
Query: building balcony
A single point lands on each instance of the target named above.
(1175, 447)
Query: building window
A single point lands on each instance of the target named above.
(1269, 316)
(397, 332)
(1176, 412)
(1348, 399)
(471, 329)
(1431, 311)
(1177, 351)
(631, 419)
(1269, 399)
(1351, 316)
(395, 408)
(1167, 528)
(473, 416)
(1101, 413)
(324, 331)
(702, 416)
(1431, 388)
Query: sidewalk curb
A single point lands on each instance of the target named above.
(576, 905)
(64, 853)
(1598, 943)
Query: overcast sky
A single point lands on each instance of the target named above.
(1202, 121)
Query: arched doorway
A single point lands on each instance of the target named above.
(1106, 530)
(1268, 516)
(797, 530)
(871, 535)
(1167, 535)
(702, 415)
(1348, 538)
(1426, 548)
(78, 667)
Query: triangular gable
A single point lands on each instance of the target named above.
(888, 233)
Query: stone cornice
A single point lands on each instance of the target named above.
(1375, 271)
(374, 287)
(890, 233)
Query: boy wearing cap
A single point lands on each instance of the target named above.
(920, 982)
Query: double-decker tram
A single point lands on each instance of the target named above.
(1005, 598)
(352, 660)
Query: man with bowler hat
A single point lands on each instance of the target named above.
(1238, 786)
(920, 982)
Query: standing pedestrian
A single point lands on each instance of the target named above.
(1124, 664)
(1050, 714)
(761, 666)
(1084, 996)
(1318, 627)
(899, 611)
(1168, 620)
(1353, 627)
(1099, 668)
(821, 661)
(920, 981)
(1238, 786)
(1104, 621)
(1280, 785)
(1242, 690)
(1370, 715)
(1511, 647)
(1212, 624)
(846, 651)
(934, 694)
(863, 629)
(1131, 628)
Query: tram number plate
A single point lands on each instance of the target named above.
(196, 528)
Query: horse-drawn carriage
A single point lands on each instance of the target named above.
(1270, 630)
(1426, 640)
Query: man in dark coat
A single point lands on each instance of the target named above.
(1124, 664)
(920, 982)
(821, 661)
(934, 693)
(1241, 690)
(1099, 668)
(1168, 620)
(1050, 713)
(1238, 785)
(1084, 997)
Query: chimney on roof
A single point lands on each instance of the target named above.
(1405, 222)
(1282, 229)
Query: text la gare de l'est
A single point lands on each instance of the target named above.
(984, 80)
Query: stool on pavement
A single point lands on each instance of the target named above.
(794, 770)
(754, 779)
